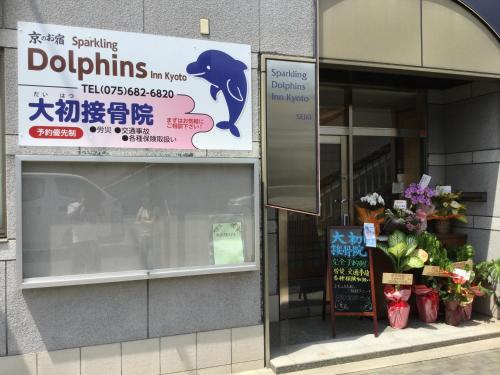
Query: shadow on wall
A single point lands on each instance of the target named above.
(73, 316)
(470, 134)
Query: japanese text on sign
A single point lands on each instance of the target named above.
(89, 88)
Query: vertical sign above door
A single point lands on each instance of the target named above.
(291, 128)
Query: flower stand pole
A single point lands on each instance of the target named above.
(427, 303)
(443, 226)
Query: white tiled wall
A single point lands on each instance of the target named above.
(204, 353)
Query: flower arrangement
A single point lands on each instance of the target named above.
(406, 220)
(372, 201)
(448, 206)
(419, 195)
(403, 252)
(369, 209)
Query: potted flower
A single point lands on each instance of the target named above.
(447, 207)
(369, 208)
(485, 278)
(405, 220)
(401, 248)
(419, 196)
(458, 296)
(427, 293)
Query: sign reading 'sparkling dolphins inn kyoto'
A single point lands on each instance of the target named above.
(100, 88)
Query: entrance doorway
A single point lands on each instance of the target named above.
(370, 140)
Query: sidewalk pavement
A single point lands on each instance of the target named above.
(472, 358)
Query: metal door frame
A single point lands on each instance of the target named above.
(325, 138)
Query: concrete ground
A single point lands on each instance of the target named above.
(300, 345)
(472, 358)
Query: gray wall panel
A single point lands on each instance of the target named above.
(3, 333)
(203, 303)
(477, 177)
(287, 27)
(66, 317)
(110, 14)
(473, 124)
(10, 79)
(230, 20)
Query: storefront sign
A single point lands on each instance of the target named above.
(228, 245)
(99, 88)
(350, 274)
(292, 135)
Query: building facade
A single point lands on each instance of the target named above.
(439, 53)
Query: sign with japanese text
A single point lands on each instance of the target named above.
(228, 244)
(351, 270)
(100, 88)
(350, 275)
(397, 278)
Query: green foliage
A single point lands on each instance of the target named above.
(465, 252)
(401, 248)
(438, 255)
(487, 275)
(448, 205)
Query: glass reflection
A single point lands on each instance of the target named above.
(81, 218)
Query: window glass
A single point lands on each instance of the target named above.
(85, 218)
(332, 107)
(384, 108)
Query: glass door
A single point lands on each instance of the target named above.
(303, 245)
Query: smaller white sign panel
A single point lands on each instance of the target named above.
(424, 181)
(400, 204)
(369, 233)
(444, 189)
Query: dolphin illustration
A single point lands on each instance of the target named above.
(227, 75)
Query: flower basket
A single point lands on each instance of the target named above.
(398, 309)
(467, 311)
(443, 226)
(453, 314)
(427, 303)
(366, 215)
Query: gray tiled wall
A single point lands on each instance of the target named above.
(464, 146)
(57, 318)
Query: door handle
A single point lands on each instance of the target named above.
(345, 220)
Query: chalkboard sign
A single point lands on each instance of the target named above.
(350, 274)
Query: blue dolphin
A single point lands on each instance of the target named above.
(227, 75)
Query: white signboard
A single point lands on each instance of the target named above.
(424, 181)
(100, 88)
(400, 204)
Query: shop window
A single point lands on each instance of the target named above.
(87, 220)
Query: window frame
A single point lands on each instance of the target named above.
(144, 274)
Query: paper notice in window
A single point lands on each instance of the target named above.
(228, 244)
